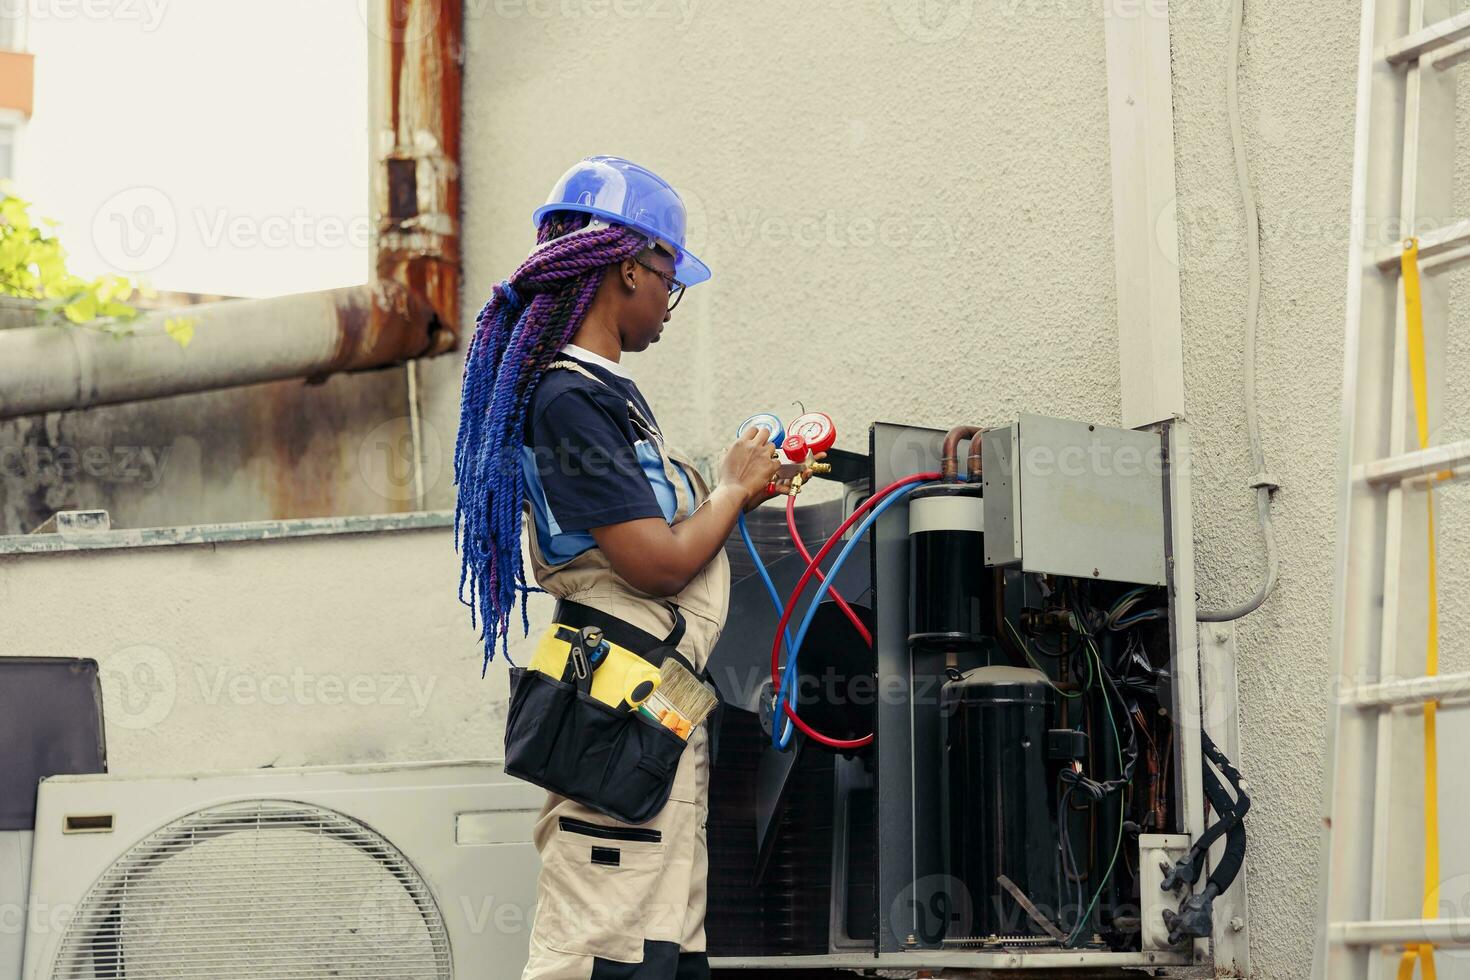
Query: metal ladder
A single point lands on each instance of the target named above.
(1372, 858)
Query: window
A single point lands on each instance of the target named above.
(9, 133)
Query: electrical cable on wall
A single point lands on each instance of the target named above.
(1263, 482)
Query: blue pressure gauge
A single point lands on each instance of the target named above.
(765, 421)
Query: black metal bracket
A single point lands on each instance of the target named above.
(847, 467)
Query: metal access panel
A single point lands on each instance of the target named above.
(910, 871)
(1075, 499)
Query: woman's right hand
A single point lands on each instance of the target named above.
(750, 465)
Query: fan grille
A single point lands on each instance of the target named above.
(264, 889)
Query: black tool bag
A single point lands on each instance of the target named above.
(618, 762)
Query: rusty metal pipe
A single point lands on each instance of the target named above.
(410, 310)
(235, 342)
(416, 195)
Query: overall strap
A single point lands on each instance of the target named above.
(685, 502)
(635, 415)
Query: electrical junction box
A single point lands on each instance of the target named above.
(1074, 499)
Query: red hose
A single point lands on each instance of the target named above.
(811, 569)
(852, 617)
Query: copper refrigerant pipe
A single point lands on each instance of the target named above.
(949, 464)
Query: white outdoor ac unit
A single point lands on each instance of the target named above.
(393, 871)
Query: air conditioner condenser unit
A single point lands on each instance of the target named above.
(403, 871)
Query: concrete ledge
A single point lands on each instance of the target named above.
(150, 537)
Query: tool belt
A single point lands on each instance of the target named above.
(572, 730)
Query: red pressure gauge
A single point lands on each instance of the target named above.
(811, 433)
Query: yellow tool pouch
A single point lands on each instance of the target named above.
(620, 678)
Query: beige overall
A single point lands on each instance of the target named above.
(589, 911)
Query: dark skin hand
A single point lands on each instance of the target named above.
(661, 560)
(628, 314)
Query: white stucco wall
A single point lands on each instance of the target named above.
(880, 197)
(343, 648)
(1298, 108)
(1298, 89)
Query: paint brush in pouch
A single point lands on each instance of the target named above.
(682, 694)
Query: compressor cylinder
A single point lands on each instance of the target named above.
(951, 592)
(997, 809)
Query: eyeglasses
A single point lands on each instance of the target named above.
(676, 288)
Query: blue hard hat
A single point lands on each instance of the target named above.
(622, 192)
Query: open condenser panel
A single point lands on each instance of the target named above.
(1012, 774)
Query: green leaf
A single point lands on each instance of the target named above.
(33, 266)
(180, 328)
(117, 311)
(81, 309)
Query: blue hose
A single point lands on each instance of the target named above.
(760, 567)
(788, 676)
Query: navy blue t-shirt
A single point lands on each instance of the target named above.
(586, 463)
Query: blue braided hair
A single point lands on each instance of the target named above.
(518, 334)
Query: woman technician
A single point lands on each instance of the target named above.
(624, 532)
